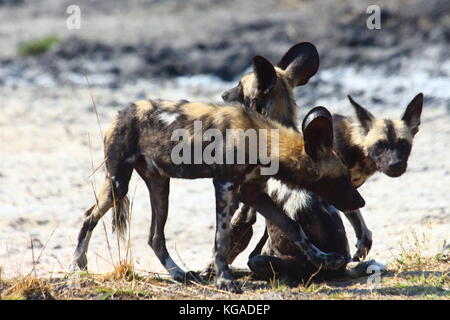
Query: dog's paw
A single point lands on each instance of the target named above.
(333, 261)
(364, 268)
(363, 247)
(194, 276)
(228, 285)
(184, 277)
(79, 264)
(178, 275)
(209, 272)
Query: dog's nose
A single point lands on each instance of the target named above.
(395, 164)
(396, 168)
(361, 202)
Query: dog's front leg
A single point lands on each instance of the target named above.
(241, 232)
(226, 204)
(363, 234)
(254, 197)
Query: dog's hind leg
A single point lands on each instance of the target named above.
(159, 188)
(289, 268)
(112, 194)
(105, 200)
(252, 195)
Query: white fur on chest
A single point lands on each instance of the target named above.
(294, 199)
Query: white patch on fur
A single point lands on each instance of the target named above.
(81, 250)
(296, 199)
(168, 118)
(151, 165)
(116, 183)
(402, 130)
(267, 248)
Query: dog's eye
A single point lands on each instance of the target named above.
(379, 147)
(402, 144)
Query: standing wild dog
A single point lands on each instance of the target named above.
(269, 91)
(367, 146)
(142, 138)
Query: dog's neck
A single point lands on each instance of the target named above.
(280, 104)
(295, 166)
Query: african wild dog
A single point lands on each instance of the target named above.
(140, 138)
(368, 146)
(269, 91)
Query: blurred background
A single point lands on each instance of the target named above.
(50, 142)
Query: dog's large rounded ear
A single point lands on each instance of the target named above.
(317, 127)
(413, 112)
(265, 75)
(365, 118)
(301, 62)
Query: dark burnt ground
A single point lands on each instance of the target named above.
(125, 41)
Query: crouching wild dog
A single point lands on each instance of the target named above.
(367, 145)
(141, 138)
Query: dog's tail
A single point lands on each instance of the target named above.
(121, 141)
(120, 217)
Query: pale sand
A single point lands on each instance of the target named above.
(44, 189)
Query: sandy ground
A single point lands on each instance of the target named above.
(49, 134)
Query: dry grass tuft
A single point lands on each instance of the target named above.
(122, 271)
(411, 255)
(29, 288)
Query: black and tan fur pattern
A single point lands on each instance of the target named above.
(367, 145)
(358, 146)
(140, 139)
(269, 90)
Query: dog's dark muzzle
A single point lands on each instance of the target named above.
(395, 169)
(232, 95)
